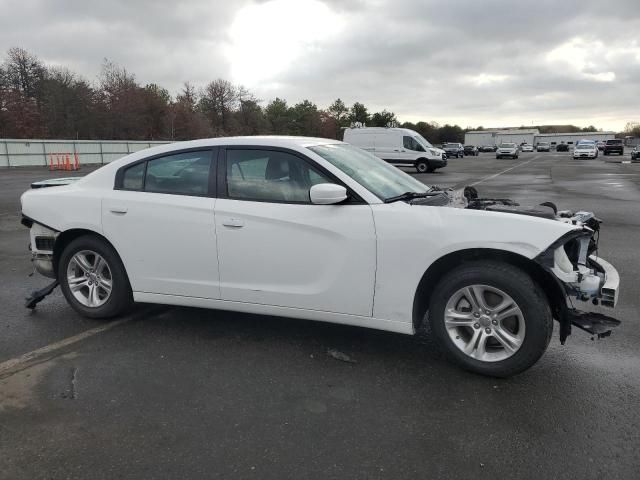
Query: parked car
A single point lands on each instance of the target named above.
(635, 153)
(526, 147)
(313, 229)
(488, 148)
(507, 150)
(585, 150)
(601, 145)
(543, 147)
(614, 146)
(562, 147)
(471, 150)
(398, 146)
(453, 149)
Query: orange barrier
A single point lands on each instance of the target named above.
(64, 161)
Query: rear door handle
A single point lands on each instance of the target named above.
(118, 210)
(233, 222)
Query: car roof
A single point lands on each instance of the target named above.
(278, 141)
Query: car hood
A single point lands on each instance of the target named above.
(468, 198)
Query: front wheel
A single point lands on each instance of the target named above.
(422, 166)
(491, 318)
(93, 279)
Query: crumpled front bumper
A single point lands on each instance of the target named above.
(611, 285)
(584, 278)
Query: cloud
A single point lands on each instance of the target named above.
(492, 63)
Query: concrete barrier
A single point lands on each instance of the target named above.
(28, 152)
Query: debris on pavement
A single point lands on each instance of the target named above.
(338, 355)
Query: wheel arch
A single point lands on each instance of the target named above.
(66, 237)
(431, 277)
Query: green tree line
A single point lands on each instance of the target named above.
(41, 101)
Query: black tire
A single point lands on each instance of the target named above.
(522, 289)
(498, 157)
(121, 297)
(422, 166)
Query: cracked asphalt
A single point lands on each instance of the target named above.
(190, 393)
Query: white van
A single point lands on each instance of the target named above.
(399, 146)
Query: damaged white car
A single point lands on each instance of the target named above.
(320, 230)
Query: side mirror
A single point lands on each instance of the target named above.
(327, 194)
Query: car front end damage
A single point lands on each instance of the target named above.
(571, 263)
(582, 276)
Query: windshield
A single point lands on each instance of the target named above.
(584, 146)
(374, 174)
(425, 143)
(507, 145)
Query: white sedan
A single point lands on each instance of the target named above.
(317, 229)
(585, 150)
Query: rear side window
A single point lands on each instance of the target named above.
(182, 173)
(133, 178)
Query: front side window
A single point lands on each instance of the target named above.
(182, 173)
(410, 143)
(270, 176)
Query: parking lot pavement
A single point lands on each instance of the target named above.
(179, 392)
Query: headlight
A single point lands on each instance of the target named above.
(433, 152)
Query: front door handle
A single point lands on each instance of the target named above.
(233, 222)
(118, 210)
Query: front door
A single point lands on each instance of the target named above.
(276, 248)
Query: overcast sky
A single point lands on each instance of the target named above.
(470, 62)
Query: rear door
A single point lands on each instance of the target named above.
(277, 248)
(160, 220)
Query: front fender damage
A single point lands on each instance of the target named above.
(573, 263)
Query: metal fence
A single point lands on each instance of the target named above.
(19, 153)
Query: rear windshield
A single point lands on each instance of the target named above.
(543, 143)
(614, 142)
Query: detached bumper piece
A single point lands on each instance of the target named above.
(38, 295)
(596, 324)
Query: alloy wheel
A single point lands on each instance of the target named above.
(89, 278)
(485, 323)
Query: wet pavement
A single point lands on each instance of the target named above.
(190, 393)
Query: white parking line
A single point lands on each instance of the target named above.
(489, 177)
(25, 360)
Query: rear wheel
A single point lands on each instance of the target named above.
(491, 318)
(93, 279)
